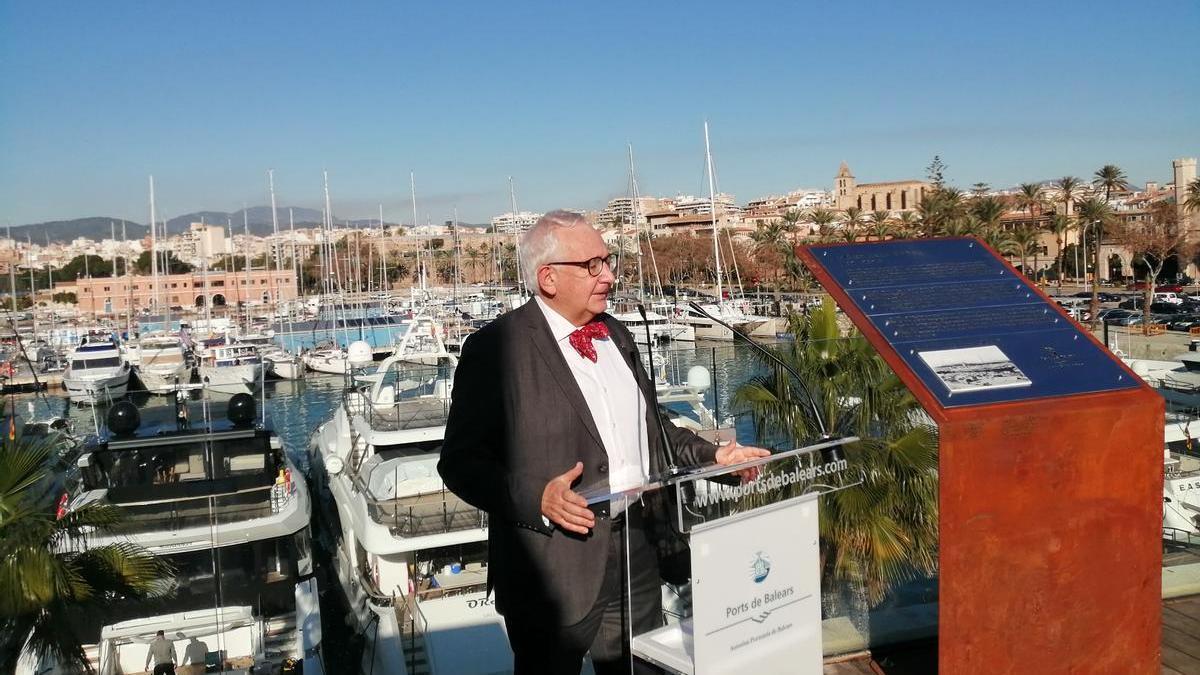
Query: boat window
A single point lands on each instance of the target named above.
(244, 574)
(109, 362)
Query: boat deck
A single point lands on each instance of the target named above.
(1181, 636)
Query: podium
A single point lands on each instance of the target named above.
(755, 603)
(1050, 458)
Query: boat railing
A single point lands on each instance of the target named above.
(414, 627)
(178, 514)
(1178, 536)
(425, 514)
(398, 415)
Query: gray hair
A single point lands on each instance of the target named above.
(539, 244)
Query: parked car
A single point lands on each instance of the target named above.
(1169, 288)
(1116, 316)
(1168, 297)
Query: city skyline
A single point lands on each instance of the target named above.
(98, 98)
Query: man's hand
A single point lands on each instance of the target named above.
(565, 508)
(732, 453)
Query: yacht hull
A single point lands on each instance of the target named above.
(90, 391)
(246, 375)
(163, 380)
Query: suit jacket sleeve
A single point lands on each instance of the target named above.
(475, 463)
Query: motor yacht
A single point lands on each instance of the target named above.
(707, 329)
(96, 371)
(162, 364)
(218, 498)
(228, 367)
(278, 362)
(661, 328)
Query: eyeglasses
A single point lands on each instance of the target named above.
(594, 266)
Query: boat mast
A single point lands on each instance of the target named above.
(249, 288)
(128, 283)
(637, 238)
(295, 268)
(712, 205)
(32, 287)
(412, 184)
(384, 286)
(327, 227)
(512, 196)
(274, 241)
(153, 249)
(12, 273)
(457, 271)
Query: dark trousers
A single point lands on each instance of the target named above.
(164, 669)
(542, 649)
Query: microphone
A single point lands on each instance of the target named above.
(672, 467)
(812, 402)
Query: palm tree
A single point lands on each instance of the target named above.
(1192, 201)
(960, 226)
(1061, 224)
(880, 224)
(998, 238)
(1025, 240)
(791, 221)
(988, 210)
(1096, 212)
(1031, 198)
(1068, 186)
(1110, 177)
(821, 220)
(47, 578)
(883, 532)
(851, 220)
(908, 223)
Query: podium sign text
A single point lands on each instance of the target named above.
(757, 592)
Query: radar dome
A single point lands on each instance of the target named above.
(359, 353)
(241, 409)
(699, 377)
(123, 418)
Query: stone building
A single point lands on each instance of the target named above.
(115, 295)
(895, 196)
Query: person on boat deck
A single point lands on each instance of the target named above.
(549, 398)
(162, 652)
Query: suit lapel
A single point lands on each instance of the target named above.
(560, 372)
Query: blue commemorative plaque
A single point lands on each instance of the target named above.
(969, 327)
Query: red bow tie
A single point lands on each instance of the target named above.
(581, 339)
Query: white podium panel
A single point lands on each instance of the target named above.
(756, 591)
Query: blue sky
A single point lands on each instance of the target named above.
(208, 96)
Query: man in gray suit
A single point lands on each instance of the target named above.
(546, 398)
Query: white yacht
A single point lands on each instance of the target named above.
(162, 365)
(228, 367)
(338, 361)
(1178, 381)
(277, 361)
(96, 371)
(411, 557)
(222, 503)
(661, 328)
(707, 329)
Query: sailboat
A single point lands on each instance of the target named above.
(706, 328)
(655, 327)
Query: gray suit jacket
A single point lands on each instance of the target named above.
(517, 420)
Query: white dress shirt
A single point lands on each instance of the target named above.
(615, 401)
